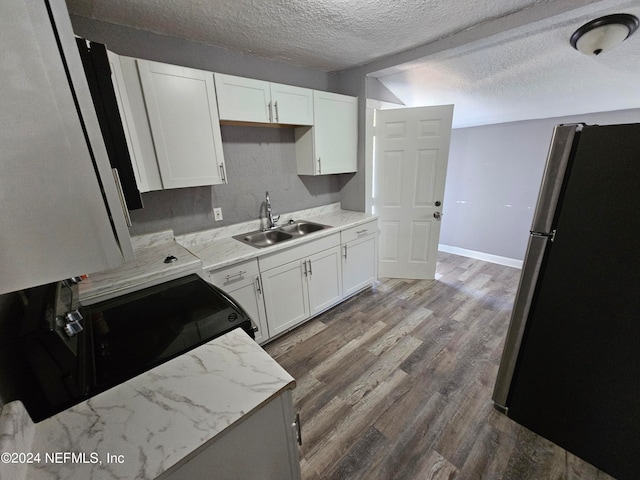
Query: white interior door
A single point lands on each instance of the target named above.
(410, 166)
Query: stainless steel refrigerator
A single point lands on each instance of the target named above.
(570, 369)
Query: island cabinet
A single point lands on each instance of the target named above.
(242, 281)
(359, 257)
(170, 118)
(330, 146)
(61, 212)
(256, 101)
(301, 282)
(262, 445)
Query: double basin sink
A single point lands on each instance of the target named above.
(267, 238)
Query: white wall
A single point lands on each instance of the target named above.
(493, 180)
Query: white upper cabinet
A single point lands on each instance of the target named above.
(57, 221)
(128, 123)
(247, 100)
(292, 105)
(183, 116)
(331, 145)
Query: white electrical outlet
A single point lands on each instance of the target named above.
(217, 214)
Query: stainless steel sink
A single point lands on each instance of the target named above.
(266, 238)
(301, 228)
(261, 239)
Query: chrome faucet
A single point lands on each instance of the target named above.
(272, 222)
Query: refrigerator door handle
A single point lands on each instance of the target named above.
(526, 289)
(558, 159)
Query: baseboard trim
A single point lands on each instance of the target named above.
(487, 257)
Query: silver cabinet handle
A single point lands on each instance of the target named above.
(305, 269)
(319, 165)
(345, 252)
(277, 114)
(270, 113)
(258, 287)
(239, 274)
(223, 177)
(298, 427)
(310, 271)
(360, 232)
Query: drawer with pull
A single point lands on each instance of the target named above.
(233, 274)
(359, 231)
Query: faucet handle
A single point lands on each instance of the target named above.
(275, 220)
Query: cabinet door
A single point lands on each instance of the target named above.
(292, 105)
(261, 446)
(324, 279)
(128, 125)
(56, 223)
(242, 282)
(249, 296)
(243, 99)
(285, 296)
(183, 116)
(359, 262)
(335, 130)
(330, 145)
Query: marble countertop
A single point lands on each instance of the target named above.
(209, 249)
(156, 419)
(147, 269)
(217, 249)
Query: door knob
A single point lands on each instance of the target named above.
(437, 215)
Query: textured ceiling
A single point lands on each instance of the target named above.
(330, 35)
(528, 71)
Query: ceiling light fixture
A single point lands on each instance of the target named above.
(604, 33)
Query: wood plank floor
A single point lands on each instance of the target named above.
(396, 384)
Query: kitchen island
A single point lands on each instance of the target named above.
(157, 423)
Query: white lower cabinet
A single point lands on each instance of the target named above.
(301, 282)
(286, 299)
(242, 282)
(283, 289)
(324, 280)
(260, 446)
(359, 257)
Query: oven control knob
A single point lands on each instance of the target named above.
(72, 324)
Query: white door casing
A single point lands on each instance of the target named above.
(410, 165)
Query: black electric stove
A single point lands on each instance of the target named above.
(64, 352)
